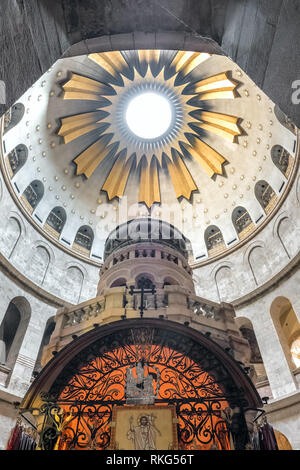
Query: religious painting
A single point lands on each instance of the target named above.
(144, 428)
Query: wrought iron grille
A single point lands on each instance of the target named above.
(184, 374)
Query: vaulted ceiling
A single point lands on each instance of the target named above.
(214, 174)
(261, 37)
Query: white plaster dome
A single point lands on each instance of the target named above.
(218, 171)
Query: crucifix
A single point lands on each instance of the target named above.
(142, 284)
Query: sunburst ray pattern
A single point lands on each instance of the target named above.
(149, 71)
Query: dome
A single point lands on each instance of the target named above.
(146, 230)
(72, 138)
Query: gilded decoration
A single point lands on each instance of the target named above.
(144, 428)
(194, 112)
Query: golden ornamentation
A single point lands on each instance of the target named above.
(146, 157)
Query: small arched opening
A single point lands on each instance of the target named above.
(32, 195)
(84, 240)
(214, 240)
(282, 159)
(13, 116)
(16, 159)
(12, 330)
(55, 221)
(265, 195)
(242, 222)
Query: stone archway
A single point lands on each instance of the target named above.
(183, 368)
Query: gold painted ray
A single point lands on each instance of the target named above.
(122, 88)
(181, 178)
(210, 160)
(73, 127)
(216, 86)
(83, 88)
(224, 125)
(149, 56)
(113, 62)
(186, 61)
(149, 182)
(149, 157)
(88, 160)
(117, 179)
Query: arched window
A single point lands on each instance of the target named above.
(242, 222)
(144, 279)
(13, 116)
(84, 240)
(288, 329)
(55, 221)
(265, 195)
(32, 195)
(119, 282)
(214, 240)
(12, 330)
(16, 159)
(169, 281)
(282, 159)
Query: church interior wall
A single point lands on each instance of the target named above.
(259, 261)
(40, 261)
(253, 277)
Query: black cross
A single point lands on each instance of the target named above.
(143, 290)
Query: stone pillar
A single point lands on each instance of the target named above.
(281, 379)
(27, 355)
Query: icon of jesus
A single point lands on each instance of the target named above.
(143, 435)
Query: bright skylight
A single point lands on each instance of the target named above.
(149, 115)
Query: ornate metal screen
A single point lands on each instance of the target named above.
(142, 366)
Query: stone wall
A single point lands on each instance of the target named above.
(259, 263)
(50, 268)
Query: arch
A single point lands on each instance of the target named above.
(84, 240)
(282, 441)
(170, 281)
(214, 240)
(13, 116)
(39, 264)
(121, 273)
(16, 159)
(11, 236)
(287, 234)
(226, 284)
(259, 264)
(73, 282)
(242, 222)
(167, 350)
(265, 195)
(120, 282)
(12, 330)
(298, 190)
(287, 327)
(33, 194)
(282, 159)
(147, 279)
(55, 221)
